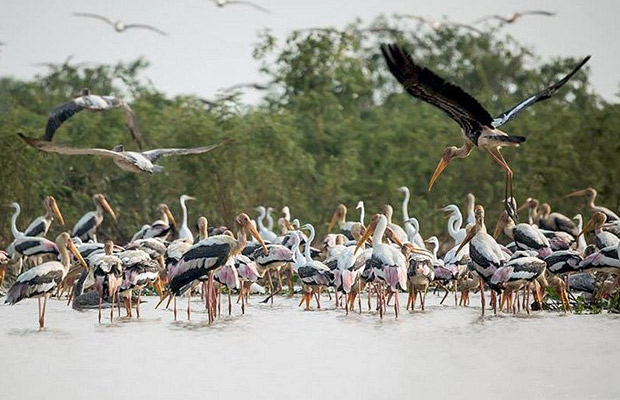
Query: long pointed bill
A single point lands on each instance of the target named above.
(577, 193)
(107, 208)
(364, 237)
(71, 247)
(332, 222)
(57, 211)
(523, 206)
(498, 228)
(470, 235)
(440, 167)
(589, 225)
(389, 233)
(252, 231)
(171, 219)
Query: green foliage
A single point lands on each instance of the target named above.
(334, 127)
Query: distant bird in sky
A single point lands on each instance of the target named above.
(437, 24)
(132, 161)
(90, 102)
(222, 3)
(119, 26)
(478, 127)
(515, 16)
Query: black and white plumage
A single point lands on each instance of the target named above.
(478, 127)
(603, 238)
(160, 228)
(526, 236)
(42, 280)
(518, 270)
(605, 260)
(514, 16)
(31, 246)
(41, 225)
(132, 161)
(94, 103)
(139, 270)
(555, 221)
(119, 26)
(86, 227)
(564, 261)
(590, 195)
(108, 274)
(313, 274)
(223, 3)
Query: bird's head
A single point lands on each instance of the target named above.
(448, 155)
(163, 208)
(101, 200)
(597, 220)
(64, 241)
(244, 223)
(52, 206)
(339, 215)
(118, 148)
(588, 193)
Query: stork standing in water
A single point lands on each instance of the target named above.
(86, 227)
(41, 225)
(42, 280)
(388, 263)
(526, 236)
(603, 238)
(479, 128)
(203, 258)
(312, 273)
(413, 233)
(161, 228)
(108, 273)
(184, 232)
(517, 273)
(139, 270)
(486, 255)
(590, 195)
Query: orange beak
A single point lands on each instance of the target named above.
(56, 210)
(471, 232)
(107, 208)
(367, 233)
(589, 225)
(171, 219)
(440, 167)
(523, 206)
(498, 228)
(577, 193)
(71, 247)
(332, 222)
(249, 228)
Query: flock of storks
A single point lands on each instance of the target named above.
(380, 258)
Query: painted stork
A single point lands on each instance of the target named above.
(517, 273)
(312, 273)
(86, 227)
(555, 221)
(204, 257)
(340, 216)
(388, 263)
(590, 195)
(526, 236)
(223, 3)
(455, 223)
(161, 228)
(228, 276)
(420, 273)
(119, 26)
(138, 271)
(413, 232)
(90, 102)
(400, 233)
(108, 272)
(184, 232)
(272, 257)
(32, 246)
(564, 262)
(132, 161)
(607, 261)
(512, 18)
(486, 255)
(41, 225)
(42, 280)
(248, 275)
(479, 128)
(603, 238)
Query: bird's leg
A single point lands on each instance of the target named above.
(482, 299)
(369, 294)
(39, 299)
(138, 304)
(100, 303)
(242, 298)
(270, 285)
(444, 288)
(396, 303)
(175, 307)
(508, 203)
(42, 322)
(111, 309)
(229, 302)
(189, 308)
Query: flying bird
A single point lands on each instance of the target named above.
(132, 161)
(515, 16)
(120, 26)
(437, 24)
(479, 128)
(222, 3)
(90, 102)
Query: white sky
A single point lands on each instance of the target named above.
(210, 48)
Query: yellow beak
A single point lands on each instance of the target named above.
(577, 193)
(367, 233)
(440, 167)
(57, 212)
(71, 247)
(252, 231)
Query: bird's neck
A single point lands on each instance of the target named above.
(454, 224)
(377, 236)
(14, 230)
(184, 223)
(307, 248)
(242, 240)
(406, 206)
(464, 150)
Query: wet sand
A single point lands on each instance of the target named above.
(283, 352)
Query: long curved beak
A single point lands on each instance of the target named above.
(71, 247)
(289, 226)
(367, 233)
(332, 222)
(390, 234)
(171, 219)
(57, 212)
(498, 228)
(107, 208)
(523, 206)
(440, 167)
(577, 193)
(470, 235)
(252, 231)
(589, 225)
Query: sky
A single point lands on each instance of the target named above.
(209, 48)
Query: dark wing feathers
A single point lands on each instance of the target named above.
(58, 115)
(425, 85)
(156, 154)
(508, 115)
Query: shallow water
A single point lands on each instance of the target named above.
(283, 352)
